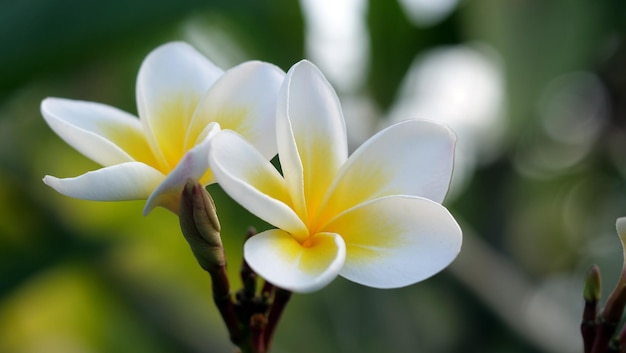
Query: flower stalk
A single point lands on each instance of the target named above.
(258, 323)
(592, 296)
(200, 227)
(281, 298)
(250, 317)
(248, 276)
(599, 329)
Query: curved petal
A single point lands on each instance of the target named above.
(243, 100)
(253, 182)
(311, 133)
(104, 134)
(121, 182)
(396, 241)
(409, 158)
(194, 165)
(171, 82)
(280, 259)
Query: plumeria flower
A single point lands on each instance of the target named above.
(183, 100)
(374, 218)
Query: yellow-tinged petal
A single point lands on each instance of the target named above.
(371, 237)
(194, 165)
(279, 258)
(253, 182)
(172, 137)
(104, 134)
(121, 182)
(396, 241)
(171, 82)
(311, 135)
(243, 100)
(409, 158)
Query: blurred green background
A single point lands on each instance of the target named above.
(535, 90)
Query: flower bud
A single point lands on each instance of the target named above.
(201, 227)
(591, 293)
(592, 289)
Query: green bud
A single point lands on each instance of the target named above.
(592, 289)
(201, 227)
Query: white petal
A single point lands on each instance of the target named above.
(396, 241)
(409, 158)
(253, 182)
(121, 182)
(243, 100)
(311, 135)
(277, 257)
(194, 165)
(104, 134)
(171, 82)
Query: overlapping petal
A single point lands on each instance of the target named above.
(194, 165)
(104, 134)
(396, 241)
(311, 134)
(182, 97)
(171, 82)
(382, 205)
(121, 182)
(279, 258)
(243, 100)
(253, 182)
(408, 158)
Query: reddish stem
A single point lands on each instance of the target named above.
(224, 303)
(258, 324)
(281, 298)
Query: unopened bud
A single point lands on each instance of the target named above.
(591, 293)
(201, 227)
(592, 289)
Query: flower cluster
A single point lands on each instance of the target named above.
(374, 217)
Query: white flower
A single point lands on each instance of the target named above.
(183, 100)
(375, 218)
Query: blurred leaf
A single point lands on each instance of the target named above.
(39, 36)
(395, 43)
